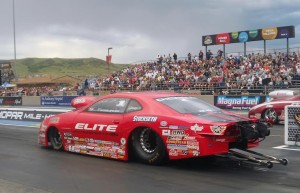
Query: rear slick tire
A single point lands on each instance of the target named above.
(148, 147)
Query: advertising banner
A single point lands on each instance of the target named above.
(26, 115)
(57, 100)
(249, 35)
(223, 38)
(11, 101)
(238, 102)
(108, 59)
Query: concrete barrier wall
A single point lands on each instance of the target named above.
(36, 100)
(31, 100)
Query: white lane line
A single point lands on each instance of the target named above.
(20, 125)
(286, 147)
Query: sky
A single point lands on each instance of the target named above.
(136, 30)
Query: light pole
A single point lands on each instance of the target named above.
(14, 29)
(108, 59)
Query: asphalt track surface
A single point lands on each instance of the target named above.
(27, 167)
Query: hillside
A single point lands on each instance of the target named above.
(61, 66)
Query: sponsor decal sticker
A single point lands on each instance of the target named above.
(163, 123)
(178, 127)
(176, 142)
(166, 132)
(189, 138)
(217, 129)
(96, 127)
(79, 100)
(174, 137)
(178, 132)
(54, 120)
(195, 153)
(123, 141)
(196, 127)
(67, 134)
(173, 127)
(177, 146)
(173, 152)
(144, 118)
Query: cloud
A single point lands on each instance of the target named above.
(136, 29)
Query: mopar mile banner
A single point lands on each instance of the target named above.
(56, 100)
(11, 101)
(23, 114)
(238, 102)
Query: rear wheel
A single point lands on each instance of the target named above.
(148, 146)
(270, 114)
(55, 139)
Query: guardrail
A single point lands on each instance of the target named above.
(202, 88)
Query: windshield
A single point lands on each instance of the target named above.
(191, 105)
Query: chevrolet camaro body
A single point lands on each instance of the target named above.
(273, 110)
(150, 126)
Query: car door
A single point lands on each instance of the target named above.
(98, 126)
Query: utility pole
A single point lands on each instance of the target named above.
(14, 29)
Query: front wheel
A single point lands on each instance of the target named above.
(55, 139)
(148, 146)
(270, 114)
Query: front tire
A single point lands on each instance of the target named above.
(55, 139)
(271, 115)
(148, 147)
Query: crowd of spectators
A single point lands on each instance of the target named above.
(204, 71)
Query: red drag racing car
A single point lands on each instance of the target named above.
(152, 127)
(273, 110)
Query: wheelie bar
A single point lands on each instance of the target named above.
(263, 160)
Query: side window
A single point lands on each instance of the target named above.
(133, 106)
(111, 105)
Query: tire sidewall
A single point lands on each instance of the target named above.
(264, 115)
(52, 141)
(158, 157)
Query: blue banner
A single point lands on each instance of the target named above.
(238, 102)
(57, 100)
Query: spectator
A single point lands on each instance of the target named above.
(234, 72)
(189, 57)
(200, 55)
(86, 83)
(220, 53)
(82, 92)
(208, 55)
(175, 57)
